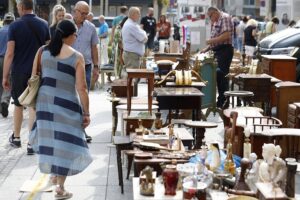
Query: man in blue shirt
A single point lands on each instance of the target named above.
(103, 33)
(25, 36)
(4, 94)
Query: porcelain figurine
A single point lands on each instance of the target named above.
(272, 169)
(147, 186)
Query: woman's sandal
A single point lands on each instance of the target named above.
(61, 193)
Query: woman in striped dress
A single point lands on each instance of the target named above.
(62, 110)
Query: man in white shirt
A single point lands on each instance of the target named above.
(134, 39)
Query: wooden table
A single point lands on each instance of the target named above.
(140, 73)
(262, 85)
(175, 98)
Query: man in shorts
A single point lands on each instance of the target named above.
(148, 23)
(25, 36)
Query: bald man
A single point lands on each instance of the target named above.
(148, 23)
(134, 39)
(86, 42)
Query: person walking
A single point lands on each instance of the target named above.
(4, 95)
(62, 109)
(250, 42)
(58, 14)
(103, 33)
(271, 26)
(25, 36)
(163, 28)
(148, 23)
(220, 43)
(116, 21)
(240, 33)
(86, 43)
(134, 39)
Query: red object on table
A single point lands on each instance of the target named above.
(170, 177)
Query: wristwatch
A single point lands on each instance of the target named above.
(97, 66)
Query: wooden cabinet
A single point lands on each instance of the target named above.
(280, 66)
(286, 92)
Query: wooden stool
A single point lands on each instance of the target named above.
(245, 95)
(200, 127)
(140, 73)
(122, 143)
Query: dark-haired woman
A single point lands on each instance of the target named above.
(58, 133)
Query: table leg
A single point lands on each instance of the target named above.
(114, 117)
(129, 94)
(130, 160)
(199, 137)
(119, 163)
(150, 89)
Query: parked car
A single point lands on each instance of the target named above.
(285, 42)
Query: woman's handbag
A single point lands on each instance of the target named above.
(28, 97)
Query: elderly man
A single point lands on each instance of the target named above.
(25, 36)
(134, 39)
(221, 43)
(103, 33)
(86, 42)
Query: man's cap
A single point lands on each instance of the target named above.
(9, 17)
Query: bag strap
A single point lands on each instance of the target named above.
(34, 32)
(39, 64)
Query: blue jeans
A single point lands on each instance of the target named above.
(88, 75)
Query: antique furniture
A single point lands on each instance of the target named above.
(119, 88)
(293, 115)
(286, 92)
(123, 101)
(260, 85)
(122, 143)
(206, 67)
(280, 66)
(246, 96)
(107, 68)
(200, 127)
(140, 73)
(132, 120)
(179, 98)
(135, 107)
(291, 144)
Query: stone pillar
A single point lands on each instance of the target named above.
(101, 7)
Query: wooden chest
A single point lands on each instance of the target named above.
(293, 120)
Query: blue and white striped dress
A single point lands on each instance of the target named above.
(57, 135)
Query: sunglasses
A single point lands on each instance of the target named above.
(82, 13)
